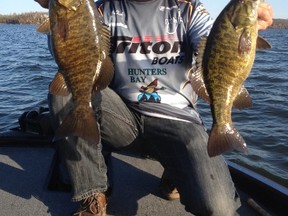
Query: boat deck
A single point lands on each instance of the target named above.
(25, 174)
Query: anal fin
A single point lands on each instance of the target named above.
(58, 86)
(262, 43)
(243, 99)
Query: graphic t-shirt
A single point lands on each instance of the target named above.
(153, 47)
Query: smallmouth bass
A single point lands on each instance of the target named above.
(225, 60)
(81, 46)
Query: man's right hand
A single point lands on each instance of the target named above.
(43, 3)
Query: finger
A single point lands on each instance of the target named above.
(265, 13)
(262, 24)
(265, 16)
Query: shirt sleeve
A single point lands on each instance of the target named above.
(200, 24)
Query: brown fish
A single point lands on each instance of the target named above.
(225, 61)
(81, 45)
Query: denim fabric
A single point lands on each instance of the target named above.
(85, 163)
(204, 183)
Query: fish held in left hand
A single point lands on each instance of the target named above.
(81, 46)
(225, 60)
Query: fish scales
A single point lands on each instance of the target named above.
(224, 65)
(225, 73)
(80, 45)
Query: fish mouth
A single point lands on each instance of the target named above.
(245, 13)
(70, 5)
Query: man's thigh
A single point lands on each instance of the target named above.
(119, 127)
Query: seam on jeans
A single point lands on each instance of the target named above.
(142, 125)
(99, 154)
(119, 117)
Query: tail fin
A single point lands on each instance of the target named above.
(84, 126)
(220, 142)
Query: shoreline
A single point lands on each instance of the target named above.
(39, 17)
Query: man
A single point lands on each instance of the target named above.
(154, 42)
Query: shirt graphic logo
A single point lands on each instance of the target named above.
(173, 18)
(149, 93)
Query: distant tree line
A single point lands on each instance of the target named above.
(39, 17)
(279, 24)
(24, 18)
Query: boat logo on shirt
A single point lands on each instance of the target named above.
(146, 45)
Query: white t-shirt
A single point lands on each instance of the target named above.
(153, 46)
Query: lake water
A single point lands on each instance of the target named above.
(26, 68)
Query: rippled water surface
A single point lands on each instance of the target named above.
(26, 68)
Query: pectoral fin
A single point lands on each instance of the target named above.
(245, 43)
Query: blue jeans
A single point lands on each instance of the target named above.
(204, 183)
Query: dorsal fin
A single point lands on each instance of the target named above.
(197, 78)
(200, 51)
(105, 38)
(105, 76)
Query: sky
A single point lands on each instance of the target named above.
(213, 6)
